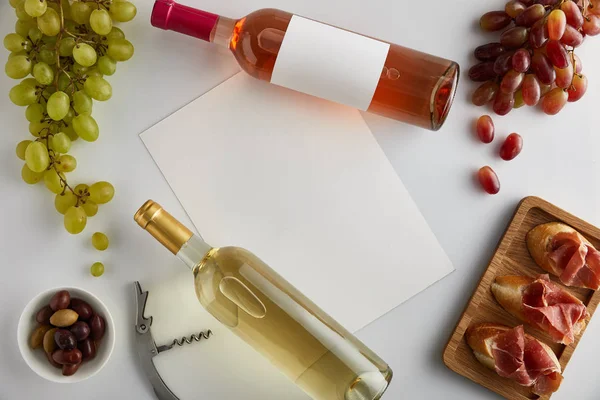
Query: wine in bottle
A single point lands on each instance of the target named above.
(269, 314)
(324, 61)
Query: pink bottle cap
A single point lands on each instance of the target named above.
(169, 15)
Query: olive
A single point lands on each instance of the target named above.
(37, 337)
(51, 361)
(81, 330)
(70, 369)
(60, 300)
(49, 343)
(87, 348)
(43, 316)
(67, 356)
(98, 326)
(82, 308)
(65, 339)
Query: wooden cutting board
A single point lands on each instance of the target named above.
(512, 258)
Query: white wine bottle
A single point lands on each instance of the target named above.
(269, 314)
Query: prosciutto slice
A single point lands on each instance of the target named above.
(552, 309)
(525, 360)
(578, 261)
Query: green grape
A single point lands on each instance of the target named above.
(29, 82)
(58, 105)
(21, 13)
(90, 208)
(82, 189)
(22, 148)
(18, 67)
(75, 220)
(82, 103)
(35, 34)
(36, 127)
(120, 49)
(84, 54)
(68, 129)
(35, 112)
(100, 241)
(49, 40)
(97, 88)
(14, 3)
(97, 269)
(122, 11)
(66, 163)
(100, 22)
(47, 55)
(71, 26)
(93, 72)
(29, 176)
(35, 8)
(66, 6)
(115, 33)
(62, 202)
(69, 117)
(23, 27)
(65, 48)
(22, 95)
(80, 12)
(106, 65)
(63, 82)
(36, 157)
(43, 73)
(49, 23)
(54, 181)
(60, 143)
(101, 192)
(20, 53)
(15, 43)
(78, 68)
(86, 127)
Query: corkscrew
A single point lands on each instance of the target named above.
(147, 349)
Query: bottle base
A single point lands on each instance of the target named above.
(369, 386)
(443, 96)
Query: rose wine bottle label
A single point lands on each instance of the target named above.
(330, 63)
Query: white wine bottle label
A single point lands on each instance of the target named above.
(330, 63)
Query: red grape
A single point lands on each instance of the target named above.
(485, 93)
(503, 63)
(542, 67)
(564, 77)
(557, 23)
(514, 37)
(489, 52)
(594, 7)
(573, 14)
(521, 60)
(544, 89)
(511, 81)
(494, 21)
(488, 180)
(503, 103)
(511, 147)
(514, 8)
(531, 90)
(576, 92)
(485, 129)
(557, 54)
(538, 36)
(578, 63)
(531, 15)
(482, 72)
(554, 101)
(591, 25)
(572, 37)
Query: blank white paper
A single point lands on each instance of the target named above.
(303, 184)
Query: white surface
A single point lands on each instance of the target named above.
(560, 163)
(329, 63)
(281, 179)
(36, 359)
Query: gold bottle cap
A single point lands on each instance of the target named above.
(166, 229)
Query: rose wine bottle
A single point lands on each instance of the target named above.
(269, 314)
(324, 61)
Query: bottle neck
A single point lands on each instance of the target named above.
(193, 251)
(169, 15)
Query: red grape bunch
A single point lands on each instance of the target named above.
(534, 61)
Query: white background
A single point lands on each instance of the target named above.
(559, 163)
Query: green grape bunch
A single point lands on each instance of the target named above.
(61, 51)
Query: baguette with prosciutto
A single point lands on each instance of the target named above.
(542, 304)
(517, 356)
(564, 252)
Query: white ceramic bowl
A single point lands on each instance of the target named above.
(36, 359)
